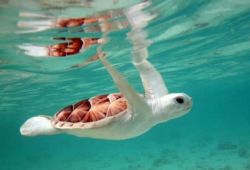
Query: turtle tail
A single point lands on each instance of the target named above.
(38, 125)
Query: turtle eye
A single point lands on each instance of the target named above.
(179, 100)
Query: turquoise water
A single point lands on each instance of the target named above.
(200, 47)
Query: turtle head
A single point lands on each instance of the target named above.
(174, 105)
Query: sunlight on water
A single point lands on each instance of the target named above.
(49, 59)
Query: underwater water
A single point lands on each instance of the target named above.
(200, 47)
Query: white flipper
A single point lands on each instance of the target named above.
(33, 50)
(136, 103)
(38, 125)
(152, 80)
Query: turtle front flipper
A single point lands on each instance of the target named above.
(152, 80)
(136, 103)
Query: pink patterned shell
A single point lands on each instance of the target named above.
(94, 112)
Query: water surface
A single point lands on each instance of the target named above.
(200, 47)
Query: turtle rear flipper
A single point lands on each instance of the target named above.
(38, 125)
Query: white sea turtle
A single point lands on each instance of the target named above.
(115, 116)
(119, 115)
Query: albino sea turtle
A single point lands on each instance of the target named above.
(119, 115)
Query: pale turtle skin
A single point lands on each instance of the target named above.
(121, 115)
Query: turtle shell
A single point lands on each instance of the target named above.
(89, 113)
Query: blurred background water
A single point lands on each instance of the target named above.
(201, 48)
